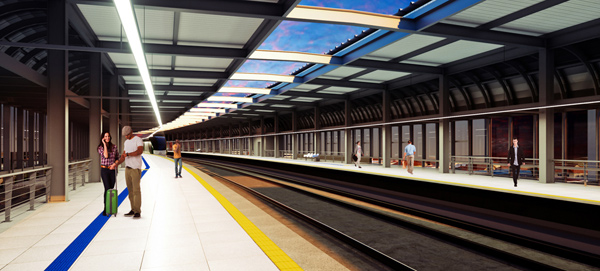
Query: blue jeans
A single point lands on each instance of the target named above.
(178, 169)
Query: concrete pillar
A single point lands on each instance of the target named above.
(20, 128)
(276, 137)
(386, 129)
(95, 117)
(114, 110)
(57, 106)
(6, 133)
(31, 139)
(294, 136)
(42, 139)
(348, 132)
(261, 151)
(444, 125)
(546, 116)
(317, 135)
(124, 117)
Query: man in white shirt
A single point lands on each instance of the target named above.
(132, 155)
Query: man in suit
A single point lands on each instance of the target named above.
(515, 159)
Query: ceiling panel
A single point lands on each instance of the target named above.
(341, 72)
(216, 29)
(451, 52)
(487, 11)
(201, 63)
(559, 17)
(402, 47)
(380, 76)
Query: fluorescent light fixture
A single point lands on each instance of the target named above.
(230, 99)
(217, 105)
(201, 110)
(262, 77)
(125, 10)
(291, 56)
(245, 90)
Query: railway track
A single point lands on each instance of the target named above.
(394, 242)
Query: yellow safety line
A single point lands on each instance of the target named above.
(279, 258)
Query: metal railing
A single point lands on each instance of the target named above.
(24, 187)
(78, 169)
(577, 171)
(492, 166)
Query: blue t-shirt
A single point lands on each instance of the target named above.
(410, 149)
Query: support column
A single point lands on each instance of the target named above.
(20, 128)
(348, 132)
(95, 117)
(546, 116)
(261, 151)
(114, 110)
(294, 136)
(386, 129)
(124, 118)
(8, 129)
(58, 108)
(317, 134)
(276, 137)
(444, 125)
(42, 140)
(31, 139)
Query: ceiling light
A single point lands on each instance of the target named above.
(129, 23)
(217, 105)
(245, 90)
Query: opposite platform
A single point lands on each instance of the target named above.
(560, 191)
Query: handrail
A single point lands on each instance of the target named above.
(80, 161)
(24, 172)
(22, 187)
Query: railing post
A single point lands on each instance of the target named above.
(32, 178)
(8, 190)
(585, 173)
(72, 171)
(48, 178)
(452, 164)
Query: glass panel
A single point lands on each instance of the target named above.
(395, 142)
(499, 140)
(431, 141)
(366, 142)
(480, 137)
(461, 138)
(576, 135)
(376, 144)
(335, 141)
(523, 130)
(418, 141)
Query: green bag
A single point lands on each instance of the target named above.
(112, 202)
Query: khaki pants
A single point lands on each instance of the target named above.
(132, 178)
(411, 163)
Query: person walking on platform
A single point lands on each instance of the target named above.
(132, 156)
(515, 160)
(409, 152)
(108, 155)
(358, 152)
(177, 158)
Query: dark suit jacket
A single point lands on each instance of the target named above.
(511, 155)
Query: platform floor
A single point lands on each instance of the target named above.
(189, 223)
(589, 194)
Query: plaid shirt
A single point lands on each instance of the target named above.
(112, 156)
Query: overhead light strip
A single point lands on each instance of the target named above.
(125, 10)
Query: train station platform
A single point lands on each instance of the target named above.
(589, 194)
(189, 223)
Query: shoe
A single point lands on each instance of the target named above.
(104, 213)
(137, 215)
(359, 167)
(130, 213)
(515, 185)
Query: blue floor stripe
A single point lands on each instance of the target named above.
(65, 260)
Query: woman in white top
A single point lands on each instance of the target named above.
(358, 152)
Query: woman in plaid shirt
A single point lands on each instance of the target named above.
(108, 154)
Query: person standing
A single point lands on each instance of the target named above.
(409, 152)
(177, 158)
(358, 152)
(515, 159)
(108, 155)
(132, 156)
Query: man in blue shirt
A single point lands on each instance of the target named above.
(409, 151)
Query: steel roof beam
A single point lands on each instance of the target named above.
(173, 88)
